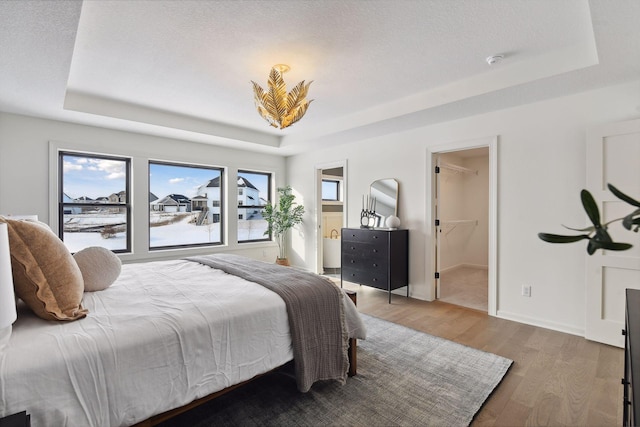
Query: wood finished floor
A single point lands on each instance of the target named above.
(465, 286)
(557, 379)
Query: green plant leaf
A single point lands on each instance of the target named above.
(620, 195)
(598, 235)
(558, 238)
(590, 207)
(629, 221)
(613, 246)
(593, 246)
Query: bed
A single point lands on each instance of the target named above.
(163, 335)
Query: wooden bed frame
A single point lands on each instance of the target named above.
(157, 419)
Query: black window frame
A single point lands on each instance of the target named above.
(337, 184)
(269, 176)
(62, 204)
(220, 215)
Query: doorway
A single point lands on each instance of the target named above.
(330, 216)
(462, 233)
(464, 219)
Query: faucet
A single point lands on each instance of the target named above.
(337, 234)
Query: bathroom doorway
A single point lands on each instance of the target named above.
(331, 216)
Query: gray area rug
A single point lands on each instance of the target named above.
(405, 377)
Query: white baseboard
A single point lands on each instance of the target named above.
(555, 326)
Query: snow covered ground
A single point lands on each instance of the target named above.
(182, 232)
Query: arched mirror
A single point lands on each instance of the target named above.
(385, 194)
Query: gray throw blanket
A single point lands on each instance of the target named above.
(315, 311)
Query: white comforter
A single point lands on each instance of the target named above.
(165, 333)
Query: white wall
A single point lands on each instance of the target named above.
(25, 165)
(541, 170)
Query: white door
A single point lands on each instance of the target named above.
(613, 157)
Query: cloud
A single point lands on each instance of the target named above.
(114, 169)
(68, 166)
(116, 175)
(176, 180)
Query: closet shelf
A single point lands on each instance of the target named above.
(449, 226)
(458, 169)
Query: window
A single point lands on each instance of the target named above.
(254, 190)
(185, 205)
(330, 190)
(94, 206)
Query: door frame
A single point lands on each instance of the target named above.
(432, 153)
(318, 204)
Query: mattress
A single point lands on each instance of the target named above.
(164, 334)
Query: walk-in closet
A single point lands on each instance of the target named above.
(463, 232)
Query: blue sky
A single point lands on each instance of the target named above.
(93, 177)
(171, 179)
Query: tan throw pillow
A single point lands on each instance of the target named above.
(99, 266)
(45, 275)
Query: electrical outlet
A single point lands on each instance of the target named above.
(526, 290)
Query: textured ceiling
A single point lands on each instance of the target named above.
(182, 69)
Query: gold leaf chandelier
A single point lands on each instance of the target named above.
(279, 108)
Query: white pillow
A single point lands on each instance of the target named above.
(99, 266)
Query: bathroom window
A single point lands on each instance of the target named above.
(330, 190)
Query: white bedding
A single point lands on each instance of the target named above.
(166, 333)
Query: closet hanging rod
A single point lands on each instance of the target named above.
(461, 221)
(458, 169)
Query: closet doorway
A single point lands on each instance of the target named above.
(462, 233)
(464, 212)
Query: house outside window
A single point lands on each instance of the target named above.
(254, 191)
(94, 207)
(186, 210)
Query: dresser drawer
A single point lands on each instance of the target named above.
(376, 279)
(364, 250)
(364, 236)
(358, 262)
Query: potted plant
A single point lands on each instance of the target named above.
(281, 218)
(597, 234)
